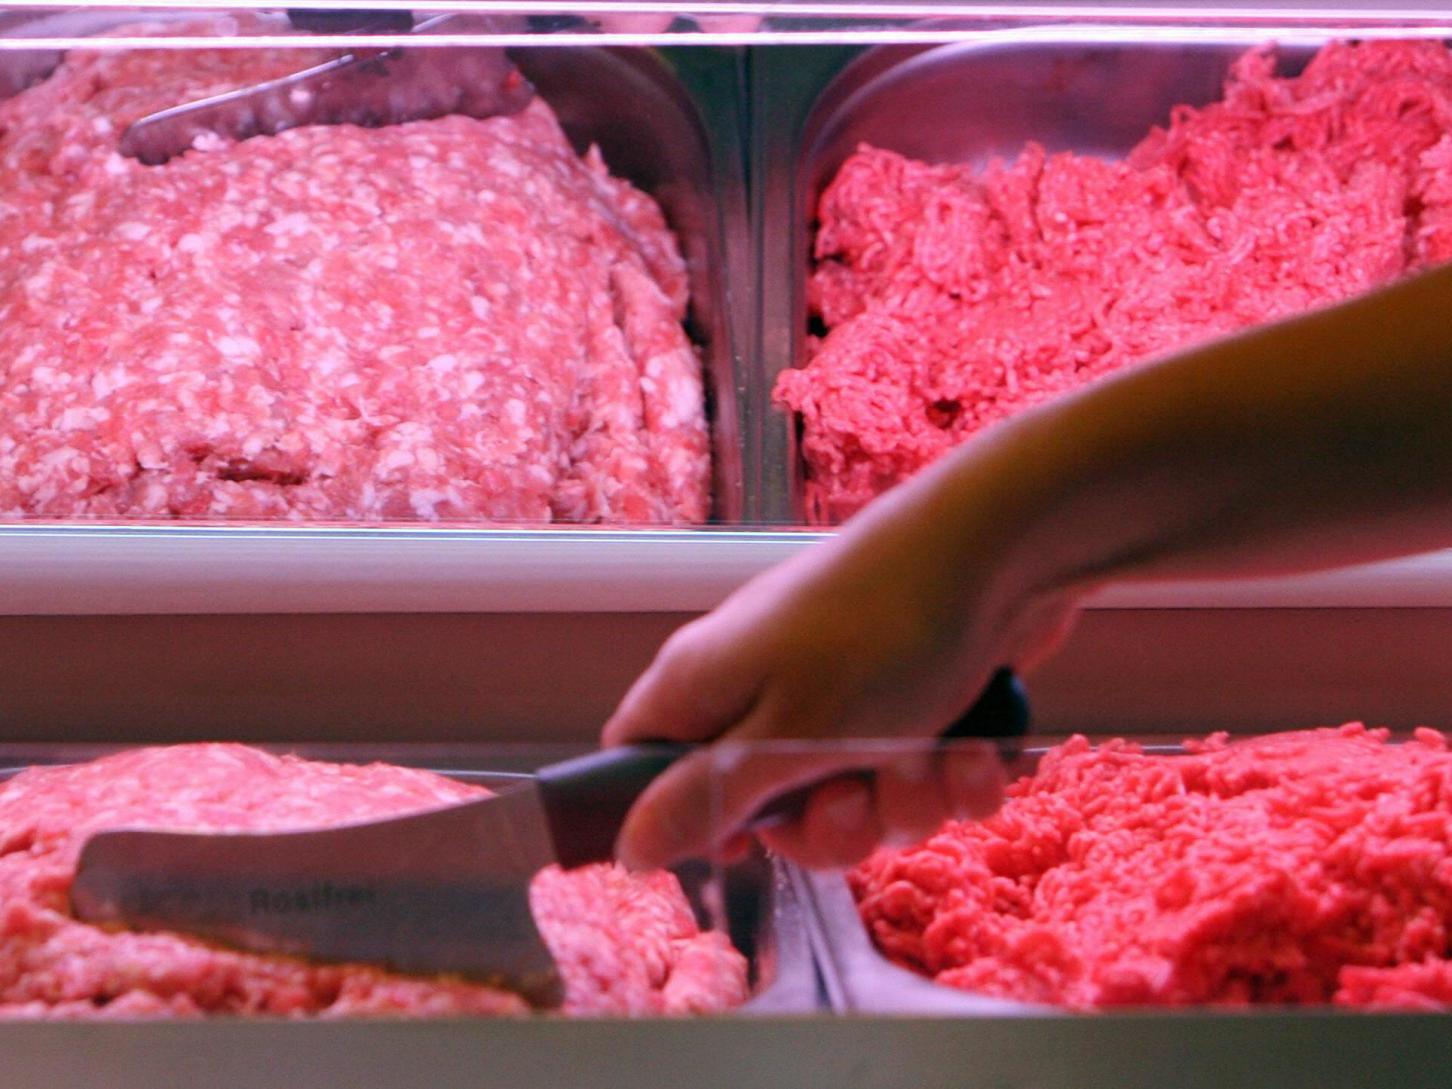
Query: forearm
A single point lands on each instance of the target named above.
(1310, 444)
(1316, 443)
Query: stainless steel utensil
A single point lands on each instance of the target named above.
(370, 87)
(445, 891)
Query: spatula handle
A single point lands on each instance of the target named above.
(586, 799)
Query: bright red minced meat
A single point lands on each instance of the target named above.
(449, 319)
(1305, 867)
(955, 296)
(625, 943)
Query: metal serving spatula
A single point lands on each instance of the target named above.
(368, 87)
(445, 891)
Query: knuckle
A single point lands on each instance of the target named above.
(686, 651)
(801, 710)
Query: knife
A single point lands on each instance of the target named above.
(440, 892)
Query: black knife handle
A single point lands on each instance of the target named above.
(586, 799)
(350, 21)
(1001, 712)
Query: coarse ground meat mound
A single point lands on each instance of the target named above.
(625, 943)
(954, 297)
(450, 319)
(1304, 867)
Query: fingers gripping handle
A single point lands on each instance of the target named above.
(1001, 711)
(586, 799)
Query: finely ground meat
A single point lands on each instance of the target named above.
(449, 319)
(955, 296)
(1304, 867)
(625, 943)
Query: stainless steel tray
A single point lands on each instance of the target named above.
(857, 978)
(1301, 1050)
(670, 119)
(758, 902)
(1092, 89)
(667, 120)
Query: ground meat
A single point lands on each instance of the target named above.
(625, 943)
(1304, 867)
(954, 297)
(449, 319)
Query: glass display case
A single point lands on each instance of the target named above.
(730, 117)
(704, 136)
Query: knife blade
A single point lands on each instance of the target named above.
(444, 891)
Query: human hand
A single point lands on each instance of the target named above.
(1314, 443)
(880, 633)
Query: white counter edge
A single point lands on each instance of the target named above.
(117, 570)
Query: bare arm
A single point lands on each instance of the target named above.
(1318, 442)
(1314, 443)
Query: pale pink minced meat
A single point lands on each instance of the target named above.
(449, 319)
(955, 296)
(1304, 867)
(625, 943)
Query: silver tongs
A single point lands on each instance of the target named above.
(369, 87)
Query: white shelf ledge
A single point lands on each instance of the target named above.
(97, 570)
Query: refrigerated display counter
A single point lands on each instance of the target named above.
(730, 121)
(731, 118)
